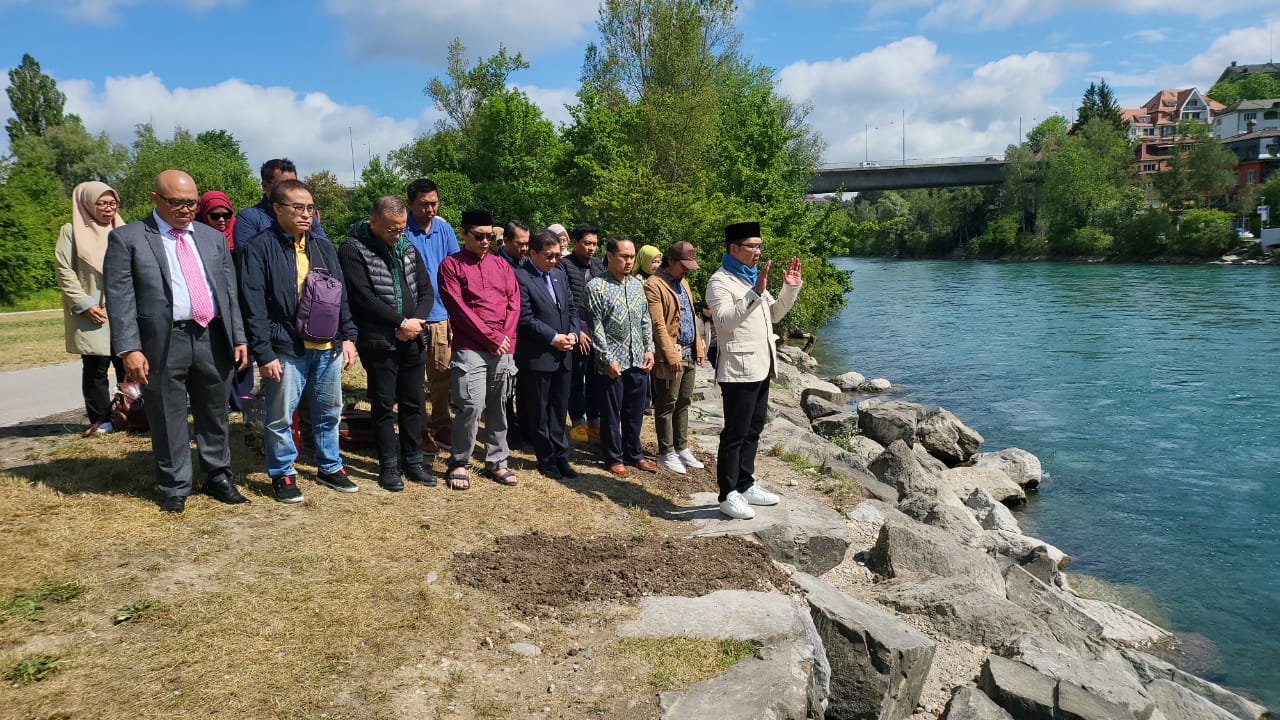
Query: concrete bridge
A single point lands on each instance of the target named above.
(937, 172)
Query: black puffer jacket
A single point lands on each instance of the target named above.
(367, 264)
(579, 275)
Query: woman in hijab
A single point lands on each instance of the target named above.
(215, 211)
(648, 260)
(82, 243)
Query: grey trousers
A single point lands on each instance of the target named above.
(199, 364)
(479, 385)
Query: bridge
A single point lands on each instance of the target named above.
(914, 173)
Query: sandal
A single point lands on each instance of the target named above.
(457, 479)
(503, 476)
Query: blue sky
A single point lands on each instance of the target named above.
(289, 77)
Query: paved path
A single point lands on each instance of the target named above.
(39, 392)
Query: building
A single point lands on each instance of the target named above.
(1257, 153)
(1153, 127)
(1244, 116)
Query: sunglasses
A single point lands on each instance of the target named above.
(219, 216)
(482, 236)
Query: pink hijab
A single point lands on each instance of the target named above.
(217, 199)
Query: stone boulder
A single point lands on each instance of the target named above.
(815, 386)
(959, 609)
(990, 513)
(1120, 625)
(878, 662)
(815, 406)
(937, 511)
(963, 480)
(946, 438)
(910, 548)
(1028, 695)
(969, 703)
(804, 533)
(897, 466)
(787, 678)
(878, 385)
(889, 421)
(1055, 607)
(863, 451)
(1152, 669)
(841, 424)
(850, 467)
(1101, 671)
(1022, 548)
(1021, 466)
(927, 461)
(1179, 703)
(784, 437)
(849, 382)
(788, 376)
(797, 357)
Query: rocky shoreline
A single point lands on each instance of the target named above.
(920, 596)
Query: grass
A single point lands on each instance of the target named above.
(29, 604)
(47, 299)
(134, 611)
(33, 340)
(678, 663)
(31, 670)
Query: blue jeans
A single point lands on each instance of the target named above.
(318, 373)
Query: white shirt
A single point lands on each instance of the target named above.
(177, 281)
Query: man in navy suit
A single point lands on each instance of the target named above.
(175, 322)
(547, 334)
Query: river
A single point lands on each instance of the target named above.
(1150, 393)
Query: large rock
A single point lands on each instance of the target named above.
(817, 387)
(935, 510)
(990, 513)
(786, 678)
(1022, 548)
(797, 357)
(898, 466)
(1021, 466)
(1179, 703)
(1028, 695)
(1122, 626)
(946, 438)
(1152, 669)
(841, 424)
(907, 548)
(969, 703)
(927, 461)
(815, 406)
(1054, 607)
(849, 382)
(788, 376)
(784, 437)
(863, 450)
(878, 663)
(889, 421)
(878, 385)
(964, 479)
(850, 467)
(1101, 671)
(959, 609)
(798, 531)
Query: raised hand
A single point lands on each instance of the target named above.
(762, 277)
(792, 274)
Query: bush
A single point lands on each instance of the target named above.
(1000, 237)
(1145, 235)
(1086, 241)
(1204, 233)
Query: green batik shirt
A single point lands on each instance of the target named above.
(621, 330)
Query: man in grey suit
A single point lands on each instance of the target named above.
(172, 284)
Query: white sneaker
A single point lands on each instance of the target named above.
(756, 496)
(671, 461)
(106, 427)
(686, 456)
(736, 507)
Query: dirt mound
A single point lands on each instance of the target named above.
(535, 571)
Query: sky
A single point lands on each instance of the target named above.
(330, 83)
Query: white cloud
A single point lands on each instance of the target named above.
(419, 30)
(310, 129)
(954, 14)
(105, 11)
(860, 103)
(552, 102)
(1151, 36)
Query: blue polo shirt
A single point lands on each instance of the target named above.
(434, 245)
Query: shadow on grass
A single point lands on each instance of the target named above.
(596, 483)
(133, 475)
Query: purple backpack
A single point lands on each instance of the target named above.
(319, 307)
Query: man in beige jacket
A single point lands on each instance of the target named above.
(743, 312)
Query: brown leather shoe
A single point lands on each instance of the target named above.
(619, 470)
(645, 465)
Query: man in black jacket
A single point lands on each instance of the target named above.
(391, 296)
(276, 266)
(582, 266)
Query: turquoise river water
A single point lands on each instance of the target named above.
(1150, 393)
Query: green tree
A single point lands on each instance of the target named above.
(515, 176)
(74, 156)
(1047, 135)
(32, 208)
(1086, 183)
(1260, 86)
(465, 88)
(332, 201)
(36, 101)
(377, 179)
(1200, 170)
(212, 164)
(1099, 101)
(1204, 233)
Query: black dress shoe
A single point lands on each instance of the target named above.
(221, 488)
(566, 469)
(173, 504)
(550, 471)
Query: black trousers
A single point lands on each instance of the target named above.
(544, 400)
(395, 379)
(241, 387)
(584, 403)
(95, 387)
(745, 406)
(622, 401)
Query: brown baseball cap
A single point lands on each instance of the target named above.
(685, 253)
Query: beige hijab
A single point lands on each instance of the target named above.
(89, 234)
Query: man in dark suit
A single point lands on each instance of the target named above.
(171, 294)
(547, 334)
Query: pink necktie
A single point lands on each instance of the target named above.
(201, 307)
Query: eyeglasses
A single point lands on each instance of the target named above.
(107, 204)
(397, 231)
(483, 236)
(175, 204)
(299, 208)
(751, 247)
(219, 216)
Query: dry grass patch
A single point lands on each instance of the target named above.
(678, 663)
(32, 340)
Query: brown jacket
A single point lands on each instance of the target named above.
(664, 311)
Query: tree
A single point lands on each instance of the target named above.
(1258, 86)
(464, 89)
(1086, 184)
(515, 176)
(37, 104)
(212, 164)
(1099, 101)
(1200, 170)
(32, 208)
(331, 200)
(1047, 135)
